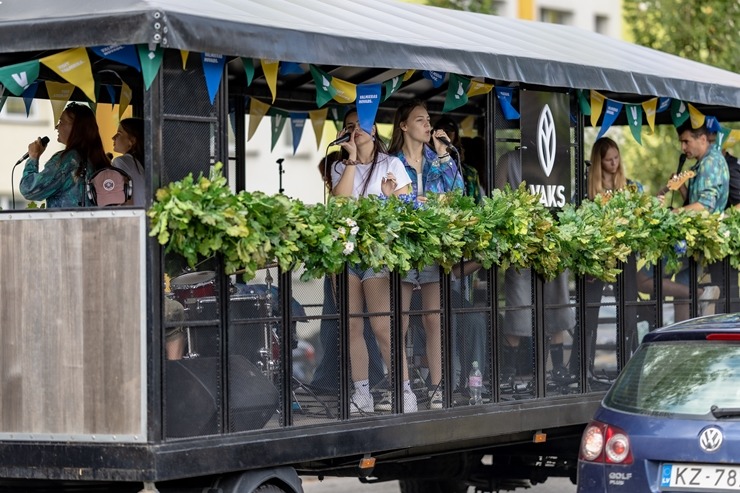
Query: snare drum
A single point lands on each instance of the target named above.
(193, 285)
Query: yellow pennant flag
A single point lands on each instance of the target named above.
(257, 110)
(318, 119)
(74, 67)
(346, 91)
(467, 126)
(184, 56)
(59, 93)
(270, 69)
(477, 88)
(697, 117)
(649, 108)
(597, 104)
(408, 74)
(732, 138)
(125, 99)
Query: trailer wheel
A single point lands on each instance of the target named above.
(425, 486)
(269, 488)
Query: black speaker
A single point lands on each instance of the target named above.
(191, 393)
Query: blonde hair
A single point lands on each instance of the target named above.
(595, 183)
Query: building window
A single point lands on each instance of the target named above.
(556, 16)
(601, 24)
(15, 109)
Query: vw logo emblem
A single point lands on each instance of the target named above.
(710, 439)
(546, 140)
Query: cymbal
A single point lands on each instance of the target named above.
(266, 266)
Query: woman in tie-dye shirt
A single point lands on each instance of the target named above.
(430, 170)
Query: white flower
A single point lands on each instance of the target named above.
(349, 247)
(350, 222)
(354, 230)
(341, 231)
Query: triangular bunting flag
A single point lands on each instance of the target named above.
(324, 90)
(125, 100)
(184, 57)
(248, 69)
(612, 112)
(336, 119)
(679, 112)
(391, 86)
(28, 96)
(346, 91)
(437, 78)
(583, 103)
(17, 78)
(213, 69)
(125, 54)
(257, 109)
(597, 104)
(270, 69)
(457, 92)
(150, 63)
(3, 98)
(477, 88)
(634, 118)
(368, 100)
(712, 124)
(408, 74)
(697, 117)
(111, 94)
(467, 126)
(277, 123)
(663, 104)
(74, 67)
(288, 68)
(297, 123)
(59, 93)
(649, 107)
(504, 95)
(318, 119)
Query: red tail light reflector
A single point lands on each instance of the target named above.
(605, 444)
(723, 337)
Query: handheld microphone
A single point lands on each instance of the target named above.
(447, 142)
(44, 142)
(341, 140)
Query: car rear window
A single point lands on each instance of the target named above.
(682, 377)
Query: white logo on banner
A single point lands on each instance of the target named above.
(546, 140)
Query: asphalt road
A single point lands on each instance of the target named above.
(353, 485)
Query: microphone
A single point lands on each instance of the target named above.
(44, 142)
(447, 142)
(341, 140)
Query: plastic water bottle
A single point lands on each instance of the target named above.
(475, 385)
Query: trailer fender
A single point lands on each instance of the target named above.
(286, 478)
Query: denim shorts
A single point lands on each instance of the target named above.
(427, 275)
(365, 274)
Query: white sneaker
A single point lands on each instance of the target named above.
(361, 404)
(706, 306)
(409, 402)
(435, 399)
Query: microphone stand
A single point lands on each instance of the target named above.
(12, 182)
(280, 175)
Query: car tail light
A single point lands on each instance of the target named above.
(606, 444)
(722, 336)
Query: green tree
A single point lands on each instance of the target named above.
(702, 30)
(480, 6)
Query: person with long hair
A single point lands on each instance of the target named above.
(431, 169)
(366, 169)
(129, 142)
(62, 181)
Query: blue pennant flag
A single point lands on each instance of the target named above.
(213, 69)
(297, 124)
(28, 94)
(505, 95)
(712, 124)
(125, 54)
(663, 104)
(368, 100)
(610, 115)
(111, 93)
(287, 68)
(437, 78)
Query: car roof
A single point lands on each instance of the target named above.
(697, 328)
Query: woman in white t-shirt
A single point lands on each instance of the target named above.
(129, 142)
(366, 169)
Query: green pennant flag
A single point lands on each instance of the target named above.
(277, 123)
(457, 92)
(3, 98)
(634, 118)
(324, 90)
(679, 112)
(248, 69)
(19, 76)
(583, 103)
(391, 86)
(150, 63)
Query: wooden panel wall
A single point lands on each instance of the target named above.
(70, 334)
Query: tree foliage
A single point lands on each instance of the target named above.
(480, 6)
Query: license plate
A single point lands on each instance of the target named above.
(706, 477)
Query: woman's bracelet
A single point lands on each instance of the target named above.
(349, 162)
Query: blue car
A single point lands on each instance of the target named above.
(671, 421)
